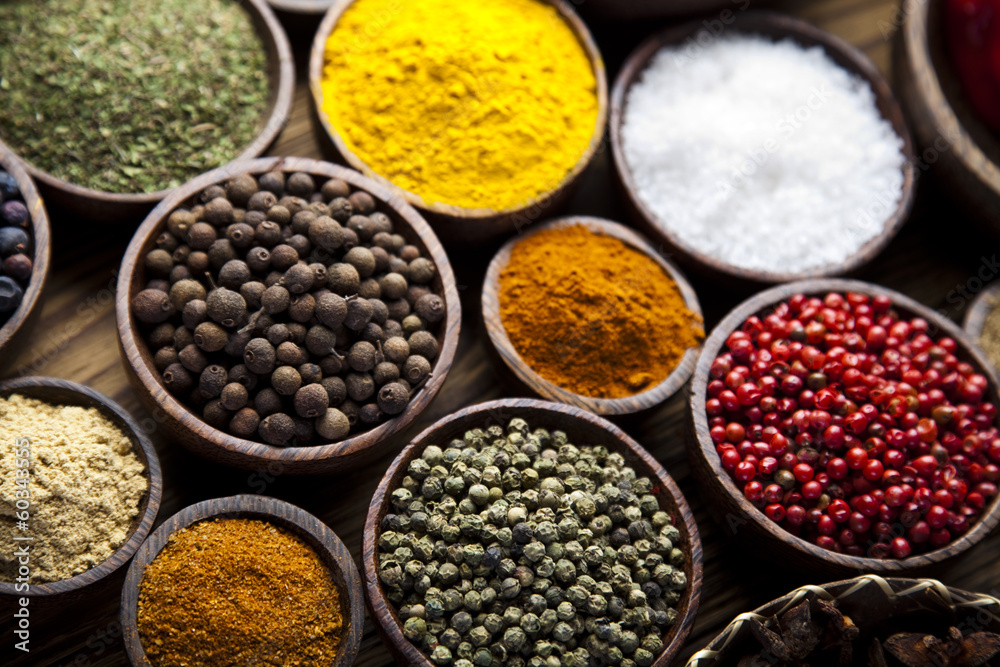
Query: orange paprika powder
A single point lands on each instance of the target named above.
(593, 315)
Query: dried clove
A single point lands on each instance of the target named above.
(916, 649)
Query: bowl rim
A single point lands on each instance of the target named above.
(141, 443)
(275, 117)
(655, 395)
(304, 525)
(498, 411)
(310, 8)
(41, 240)
(892, 588)
(979, 308)
(132, 343)
(774, 26)
(942, 114)
(705, 450)
(526, 209)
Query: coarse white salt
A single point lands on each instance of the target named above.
(763, 155)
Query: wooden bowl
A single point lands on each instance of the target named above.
(632, 10)
(581, 427)
(956, 143)
(13, 332)
(102, 206)
(185, 426)
(755, 528)
(777, 27)
(308, 7)
(285, 515)
(539, 385)
(870, 601)
(83, 585)
(975, 314)
(456, 224)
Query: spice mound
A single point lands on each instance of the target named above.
(854, 427)
(290, 311)
(83, 482)
(171, 88)
(593, 315)
(513, 547)
(234, 592)
(989, 339)
(764, 155)
(477, 105)
(16, 251)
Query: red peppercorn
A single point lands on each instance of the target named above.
(775, 512)
(856, 458)
(837, 468)
(873, 470)
(859, 523)
(812, 490)
(753, 491)
(936, 517)
(885, 422)
(795, 515)
(803, 472)
(925, 465)
(900, 547)
(744, 472)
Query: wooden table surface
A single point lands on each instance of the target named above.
(937, 264)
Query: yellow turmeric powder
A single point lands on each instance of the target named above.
(593, 315)
(473, 104)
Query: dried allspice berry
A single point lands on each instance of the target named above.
(259, 356)
(430, 308)
(392, 398)
(177, 379)
(280, 306)
(234, 396)
(152, 306)
(226, 307)
(333, 425)
(286, 380)
(311, 401)
(210, 337)
(277, 429)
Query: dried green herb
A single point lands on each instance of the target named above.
(130, 96)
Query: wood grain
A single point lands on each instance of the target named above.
(14, 332)
(942, 118)
(454, 224)
(775, 26)
(939, 258)
(729, 499)
(581, 427)
(314, 532)
(102, 206)
(534, 382)
(185, 425)
(62, 392)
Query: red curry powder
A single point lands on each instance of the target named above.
(239, 592)
(593, 315)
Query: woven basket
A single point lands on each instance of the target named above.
(869, 601)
